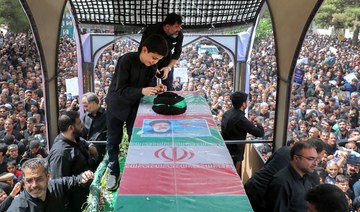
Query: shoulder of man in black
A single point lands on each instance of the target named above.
(277, 161)
(150, 30)
(21, 204)
(61, 142)
(154, 29)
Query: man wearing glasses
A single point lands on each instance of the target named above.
(257, 185)
(287, 189)
(42, 194)
(4, 110)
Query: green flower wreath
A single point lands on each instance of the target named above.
(100, 199)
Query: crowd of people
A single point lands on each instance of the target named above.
(22, 116)
(325, 104)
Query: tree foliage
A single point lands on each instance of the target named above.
(264, 29)
(340, 14)
(13, 16)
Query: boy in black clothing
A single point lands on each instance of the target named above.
(133, 75)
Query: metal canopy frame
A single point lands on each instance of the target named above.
(195, 13)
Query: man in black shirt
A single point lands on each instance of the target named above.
(132, 80)
(286, 191)
(3, 159)
(342, 134)
(42, 194)
(235, 126)
(257, 185)
(170, 29)
(94, 120)
(70, 156)
(9, 130)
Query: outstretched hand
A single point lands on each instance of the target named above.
(16, 190)
(86, 176)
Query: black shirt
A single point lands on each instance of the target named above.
(55, 200)
(287, 189)
(258, 183)
(4, 205)
(3, 165)
(174, 44)
(94, 127)
(41, 151)
(15, 133)
(235, 126)
(67, 158)
(125, 90)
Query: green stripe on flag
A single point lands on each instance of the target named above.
(213, 203)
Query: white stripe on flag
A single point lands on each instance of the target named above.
(178, 155)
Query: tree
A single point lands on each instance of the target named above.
(12, 15)
(340, 14)
(264, 29)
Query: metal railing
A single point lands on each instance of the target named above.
(226, 142)
(246, 141)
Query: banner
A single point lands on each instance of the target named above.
(72, 86)
(298, 76)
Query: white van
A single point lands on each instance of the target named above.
(213, 50)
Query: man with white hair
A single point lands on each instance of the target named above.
(94, 120)
(321, 108)
(112, 69)
(264, 110)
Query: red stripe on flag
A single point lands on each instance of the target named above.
(180, 181)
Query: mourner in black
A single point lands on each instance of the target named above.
(42, 194)
(286, 191)
(235, 126)
(94, 120)
(132, 80)
(170, 29)
(257, 185)
(70, 155)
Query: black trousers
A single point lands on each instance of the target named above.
(115, 129)
(169, 80)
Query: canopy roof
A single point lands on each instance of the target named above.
(290, 20)
(195, 13)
